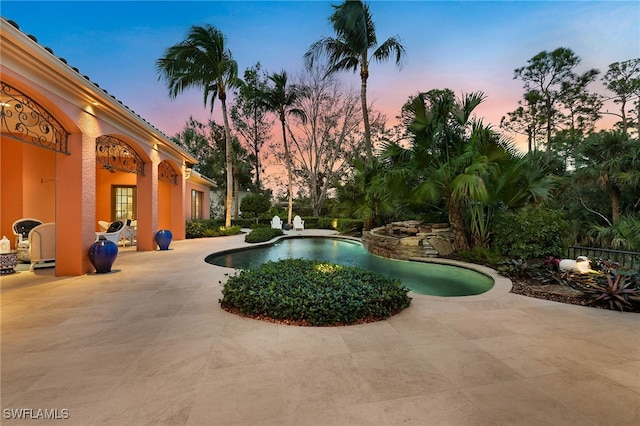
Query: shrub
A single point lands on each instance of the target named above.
(255, 205)
(210, 233)
(480, 255)
(233, 230)
(324, 223)
(349, 226)
(194, 229)
(310, 222)
(261, 235)
(529, 233)
(208, 228)
(243, 223)
(314, 293)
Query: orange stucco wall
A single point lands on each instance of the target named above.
(72, 189)
(164, 205)
(206, 200)
(28, 184)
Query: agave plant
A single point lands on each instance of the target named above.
(619, 292)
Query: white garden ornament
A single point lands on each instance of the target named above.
(581, 265)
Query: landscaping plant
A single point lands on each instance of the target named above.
(260, 235)
(308, 292)
(618, 291)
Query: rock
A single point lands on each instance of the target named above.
(443, 246)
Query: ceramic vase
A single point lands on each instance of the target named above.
(163, 238)
(102, 254)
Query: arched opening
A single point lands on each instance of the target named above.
(31, 139)
(118, 166)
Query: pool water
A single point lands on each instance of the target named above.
(422, 278)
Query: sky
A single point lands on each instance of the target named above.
(465, 46)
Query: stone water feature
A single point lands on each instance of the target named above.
(409, 239)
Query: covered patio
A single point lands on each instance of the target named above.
(73, 155)
(149, 344)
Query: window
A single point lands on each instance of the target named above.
(123, 202)
(196, 204)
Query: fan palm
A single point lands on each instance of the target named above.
(203, 62)
(281, 98)
(613, 160)
(349, 50)
(366, 194)
(459, 160)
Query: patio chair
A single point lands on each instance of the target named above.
(298, 224)
(42, 244)
(129, 232)
(21, 229)
(276, 222)
(113, 233)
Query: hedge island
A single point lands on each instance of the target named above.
(308, 292)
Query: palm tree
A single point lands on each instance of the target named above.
(281, 100)
(612, 160)
(366, 194)
(202, 61)
(349, 50)
(462, 162)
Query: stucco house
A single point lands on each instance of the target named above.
(72, 154)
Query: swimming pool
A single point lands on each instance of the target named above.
(423, 278)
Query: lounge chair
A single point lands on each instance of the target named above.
(298, 224)
(104, 225)
(129, 232)
(276, 222)
(21, 229)
(114, 232)
(42, 244)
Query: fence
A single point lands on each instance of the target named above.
(629, 259)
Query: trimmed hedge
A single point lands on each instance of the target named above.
(530, 233)
(202, 228)
(350, 226)
(314, 293)
(260, 235)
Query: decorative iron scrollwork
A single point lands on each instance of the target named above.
(166, 173)
(23, 119)
(115, 154)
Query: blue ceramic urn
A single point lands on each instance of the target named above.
(163, 238)
(102, 254)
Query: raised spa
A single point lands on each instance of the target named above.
(423, 278)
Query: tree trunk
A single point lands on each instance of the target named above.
(256, 149)
(236, 191)
(289, 173)
(548, 105)
(227, 140)
(615, 204)
(364, 74)
(638, 118)
(456, 220)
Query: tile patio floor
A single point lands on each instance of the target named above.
(148, 344)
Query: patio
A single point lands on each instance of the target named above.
(149, 344)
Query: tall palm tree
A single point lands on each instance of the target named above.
(281, 99)
(203, 62)
(349, 50)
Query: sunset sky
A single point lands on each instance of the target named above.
(462, 45)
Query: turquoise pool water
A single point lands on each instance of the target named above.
(422, 278)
